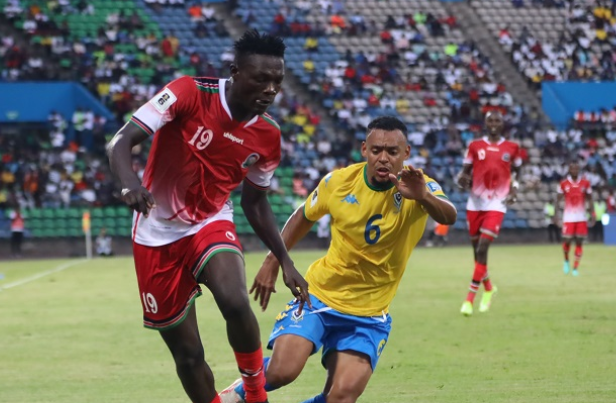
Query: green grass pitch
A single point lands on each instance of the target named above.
(75, 336)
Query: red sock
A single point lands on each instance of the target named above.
(566, 248)
(251, 368)
(478, 275)
(487, 284)
(578, 256)
(216, 400)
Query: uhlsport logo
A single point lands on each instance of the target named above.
(234, 139)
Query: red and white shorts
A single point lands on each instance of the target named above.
(486, 223)
(575, 229)
(167, 275)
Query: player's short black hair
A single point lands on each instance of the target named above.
(255, 43)
(388, 123)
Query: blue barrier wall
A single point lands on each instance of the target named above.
(32, 102)
(561, 100)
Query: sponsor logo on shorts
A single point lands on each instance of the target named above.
(230, 235)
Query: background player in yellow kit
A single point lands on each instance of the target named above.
(379, 210)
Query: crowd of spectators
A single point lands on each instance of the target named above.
(585, 49)
(47, 169)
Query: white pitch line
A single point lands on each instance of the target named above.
(43, 274)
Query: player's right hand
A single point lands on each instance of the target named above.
(296, 283)
(464, 181)
(265, 281)
(139, 199)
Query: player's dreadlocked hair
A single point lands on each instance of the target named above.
(388, 123)
(254, 43)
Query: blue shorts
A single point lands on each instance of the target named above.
(333, 330)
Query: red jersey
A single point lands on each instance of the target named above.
(198, 156)
(575, 198)
(491, 173)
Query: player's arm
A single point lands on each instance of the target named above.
(411, 183)
(296, 228)
(591, 207)
(464, 177)
(516, 168)
(560, 196)
(174, 100)
(120, 161)
(259, 214)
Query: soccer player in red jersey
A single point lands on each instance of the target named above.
(209, 136)
(577, 193)
(494, 163)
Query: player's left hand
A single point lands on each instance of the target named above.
(296, 283)
(511, 198)
(410, 183)
(592, 221)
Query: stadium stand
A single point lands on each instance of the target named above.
(555, 40)
(359, 59)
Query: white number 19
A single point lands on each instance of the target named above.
(149, 303)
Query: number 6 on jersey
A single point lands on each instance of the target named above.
(371, 227)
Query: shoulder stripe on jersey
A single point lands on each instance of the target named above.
(206, 84)
(135, 120)
(254, 185)
(270, 120)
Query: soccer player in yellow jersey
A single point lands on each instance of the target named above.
(378, 212)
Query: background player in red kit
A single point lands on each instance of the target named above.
(210, 134)
(577, 193)
(495, 164)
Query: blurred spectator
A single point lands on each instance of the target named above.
(104, 243)
(17, 231)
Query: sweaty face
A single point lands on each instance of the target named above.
(494, 123)
(256, 81)
(574, 170)
(385, 152)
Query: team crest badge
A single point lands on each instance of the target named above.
(398, 200)
(506, 157)
(297, 316)
(250, 160)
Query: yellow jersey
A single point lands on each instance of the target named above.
(373, 232)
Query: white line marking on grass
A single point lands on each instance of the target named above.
(43, 274)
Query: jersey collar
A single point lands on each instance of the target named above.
(500, 141)
(570, 179)
(373, 187)
(222, 82)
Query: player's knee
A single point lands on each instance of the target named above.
(482, 248)
(188, 356)
(279, 377)
(343, 394)
(233, 304)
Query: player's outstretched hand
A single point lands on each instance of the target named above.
(139, 199)
(265, 282)
(410, 183)
(296, 283)
(511, 198)
(464, 181)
